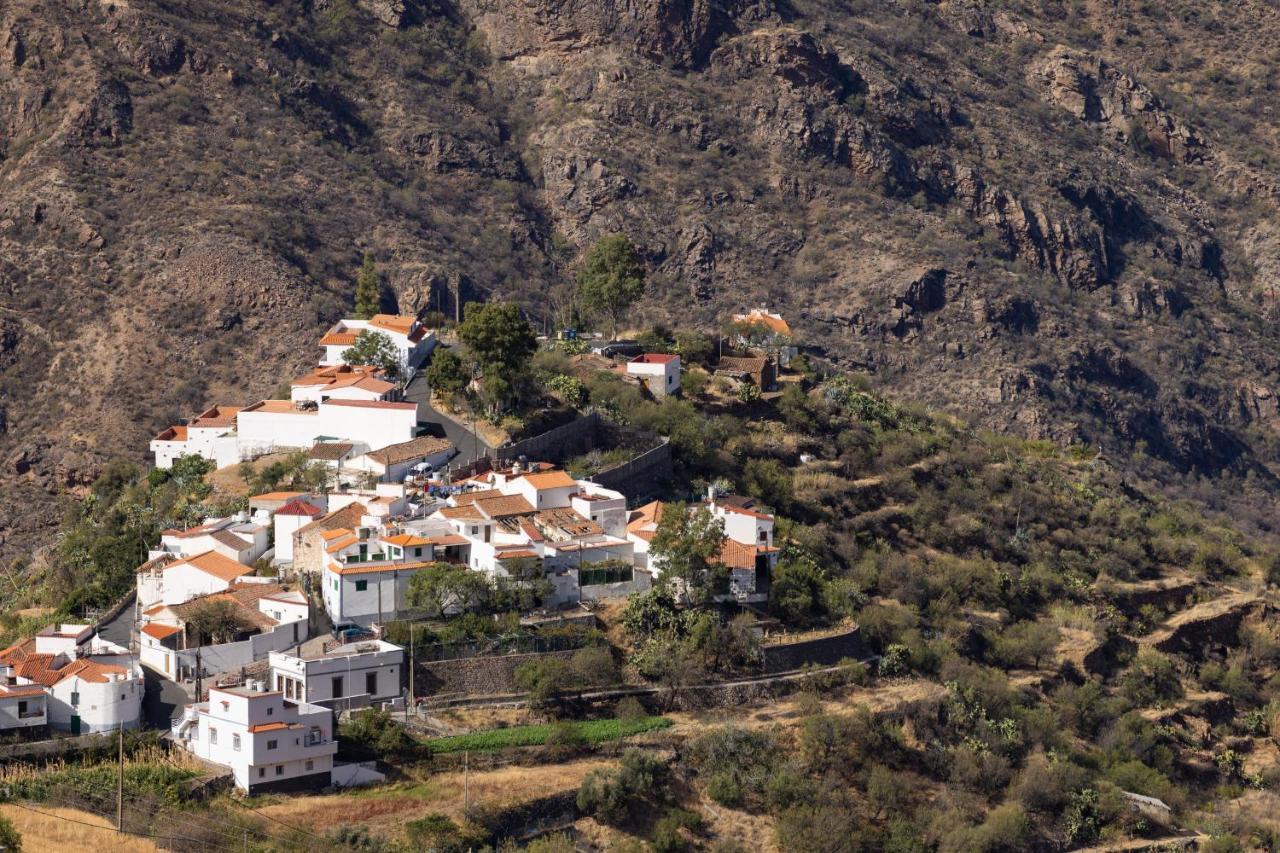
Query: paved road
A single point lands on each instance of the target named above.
(118, 630)
(162, 700)
(469, 446)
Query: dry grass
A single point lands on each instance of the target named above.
(385, 809)
(820, 482)
(227, 482)
(58, 834)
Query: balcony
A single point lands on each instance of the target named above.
(31, 714)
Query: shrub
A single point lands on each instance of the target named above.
(1152, 679)
(10, 838)
(667, 837)
(615, 796)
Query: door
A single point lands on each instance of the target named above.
(75, 724)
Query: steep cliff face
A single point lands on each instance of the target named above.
(1057, 218)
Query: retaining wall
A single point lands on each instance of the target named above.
(561, 442)
(478, 676)
(640, 477)
(824, 651)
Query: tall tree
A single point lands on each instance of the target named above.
(687, 545)
(444, 587)
(374, 348)
(501, 341)
(611, 279)
(447, 374)
(368, 289)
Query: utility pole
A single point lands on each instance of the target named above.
(411, 667)
(120, 784)
(466, 782)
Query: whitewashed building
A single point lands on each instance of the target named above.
(271, 425)
(659, 372)
(268, 618)
(210, 435)
(288, 520)
(395, 461)
(413, 342)
(350, 675)
(90, 685)
(166, 580)
(342, 382)
(269, 743)
(235, 537)
(23, 709)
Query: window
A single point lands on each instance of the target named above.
(279, 682)
(474, 530)
(417, 552)
(764, 536)
(337, 687)
(235, 742)
(271, 744)
(262, 771)
(213, 735)
(279, 769)
(371, 683)
(311, 765)
(335, 584)
(271, 711)
(226, 706)
(75, 699)
(361, 586)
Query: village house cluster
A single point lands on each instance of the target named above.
(225, 608)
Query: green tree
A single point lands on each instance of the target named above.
(445, 586)
(1025, 643)
(498, 335)
(611, 279)
(215, 620)
(797, 594)
(447, 374)
(368, 289)
(10, 838)
(374, 348)
(687, 544)
(188, 471)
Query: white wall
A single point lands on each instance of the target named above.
(9, 718)
(101, 707)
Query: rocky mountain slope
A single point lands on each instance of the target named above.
(1055, 217)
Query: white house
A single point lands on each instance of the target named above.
(271, 425)
(268, 742)
(659, 372)
(413, 341)
(269, 618)
(368, 570)
(172, 581)
(235, 537)
(394, 461)
(342, 382)
(748, 550)
(288, 520)
(23, 709)
(351, 675)
(90, 685)
(210, 435)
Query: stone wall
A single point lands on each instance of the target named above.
(562, 442)
(478, 676)
(640, 477)
(824, 651)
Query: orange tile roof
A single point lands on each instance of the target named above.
(373, 404)
(449, 539)
(216, 416)
(269, 727)
(300, 507)
(503, 506)
(643, 521)
(39, 668)
(550, 480)
(338, 544)
(759, 317)
(466, 511)
(327, 535)
(742, 510)
(277, 496)
(173, 433)
(338, 375)
(407, 540)
(155, 629)
(518, 554)
(90, 670)
(400, 323)
(368, 568)
(338, 339)
(735, 555)
(213, 563)
(18, 652)
(472, 497)
(407, 451)
(23, 692)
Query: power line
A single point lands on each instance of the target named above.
(245, 805)
(110, 829)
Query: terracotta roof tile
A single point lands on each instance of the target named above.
(406, 451)
(300, 507)
(504, 506)
(550, 480)
(213, 563)
(155, 629)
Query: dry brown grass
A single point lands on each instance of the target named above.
(384, 810)
(55, 832)
(227, 482)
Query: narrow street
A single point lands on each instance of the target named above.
(469, 447)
